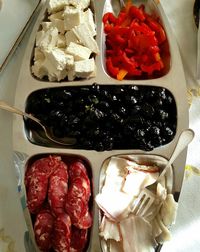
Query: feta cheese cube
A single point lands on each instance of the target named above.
(57, 15)
(38, 54)
(78, 51)
(47, 39)
(61, 42)
(89, 19)
(84, 68)
(59, 59)
(84, 35)
(57, 5)
(46, 26)
(38, 70)
(72, 17)
(70, 36)
(59, 24)
(82, 4)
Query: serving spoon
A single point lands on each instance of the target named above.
(61, 141)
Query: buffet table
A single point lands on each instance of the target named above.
(185, 234)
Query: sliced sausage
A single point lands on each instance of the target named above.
(62, 233)
(78, 239)
(43, 229)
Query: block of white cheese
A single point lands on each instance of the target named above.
(82, 4)
(83, 33)
(59, 24)
(59, 59)
(72, 17)
(38, 54)
(46, 26)
(47, 39)
(57, 5)
(61, 42)
(78, 51)
(84, 68)
(70, 36)
(57, 15)
(89, 19)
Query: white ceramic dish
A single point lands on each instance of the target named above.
(13, 25)
(174, 81)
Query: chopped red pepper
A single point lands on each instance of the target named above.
(132, 42)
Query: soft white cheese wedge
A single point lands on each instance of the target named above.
(83, 33)
(70, 36)
(59, 59)
(47, 39)
(78, 51)
(57, 5)
(72, 17)
(89, 19)
(38, 69)
(84, 68)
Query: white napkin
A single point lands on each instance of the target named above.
(180, 16)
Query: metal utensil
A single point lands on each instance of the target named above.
(49, 135)
(146, 197)
(196, 13)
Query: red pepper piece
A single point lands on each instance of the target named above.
(135, 12)
(155, 26)
(113, 71)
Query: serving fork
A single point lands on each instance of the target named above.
(146, 197)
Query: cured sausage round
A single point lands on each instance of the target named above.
(58, 186)
(78, 239)
(37, 192)
(43, 229)
(62, 233)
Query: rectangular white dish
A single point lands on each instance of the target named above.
(173, 80)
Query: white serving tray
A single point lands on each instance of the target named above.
(174, 81)
(14, 19)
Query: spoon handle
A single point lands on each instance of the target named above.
(185, 138)
(7, 107)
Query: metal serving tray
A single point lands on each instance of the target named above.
(173, 80)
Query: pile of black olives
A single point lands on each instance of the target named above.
(107, 117)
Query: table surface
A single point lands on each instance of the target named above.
(185, 233)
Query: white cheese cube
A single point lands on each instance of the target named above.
(89, 19)
(38, 54)
(57, 15)
(59, 24)
(72, 17)
(70, 36)
(78, 51)
(84, 35)
(61, 42)
(57, 5)
(47, 39)
(71, 75)
(46, 25)
(59, 59)
(84, 68)
(82, 4)
(38, 70)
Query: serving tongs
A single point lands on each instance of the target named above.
(61, 141)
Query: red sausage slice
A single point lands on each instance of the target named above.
(78, 239)
(62, 233)
(43, 229)
(37, 191)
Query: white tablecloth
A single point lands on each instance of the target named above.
(185, 234)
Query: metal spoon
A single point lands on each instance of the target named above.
(63, 141)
